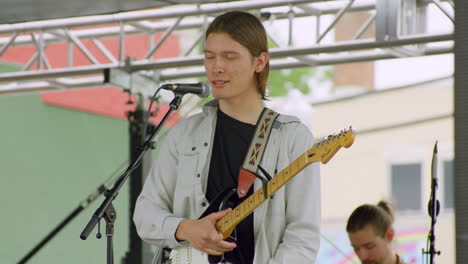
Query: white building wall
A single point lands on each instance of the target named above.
(396, 126)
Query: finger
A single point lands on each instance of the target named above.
(225, 245)
(220, 247)
(220, 214)
(212, 252)
(216, 236)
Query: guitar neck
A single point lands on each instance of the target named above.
(321, 151)
(226, 224)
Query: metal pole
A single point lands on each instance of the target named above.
(461, 130)
(138, 251)
(198, 60)
(161, 26)
(145, 14)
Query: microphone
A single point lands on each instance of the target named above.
(434, 206)
(201, 89)
(434, 163)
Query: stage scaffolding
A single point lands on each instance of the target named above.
(395, 37)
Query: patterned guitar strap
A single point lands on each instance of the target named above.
(247, 173)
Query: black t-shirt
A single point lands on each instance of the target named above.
(231, 143)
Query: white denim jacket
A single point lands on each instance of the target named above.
(286, 227)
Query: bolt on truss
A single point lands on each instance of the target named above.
(102, 41)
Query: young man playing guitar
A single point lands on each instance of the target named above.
(202, 155)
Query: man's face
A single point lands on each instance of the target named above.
(370, 247)
(230, 67)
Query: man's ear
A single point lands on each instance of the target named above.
(260, 61)
(390, 234)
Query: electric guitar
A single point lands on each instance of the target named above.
(321, 151)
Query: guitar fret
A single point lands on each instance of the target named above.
(246, 207)
(286, 173)
(242, 207)
(269, 190)
(279, 181)
(303, 160)
(259, 196)
(231, 219)
(296, 166)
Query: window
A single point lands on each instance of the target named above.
(406, 186)
(448, 184)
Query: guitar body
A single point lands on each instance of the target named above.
(186, 254)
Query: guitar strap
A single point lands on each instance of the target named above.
(247, 173)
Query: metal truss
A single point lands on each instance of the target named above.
(38, 74)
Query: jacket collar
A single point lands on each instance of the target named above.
(210, 107)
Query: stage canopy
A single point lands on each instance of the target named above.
(14, 11)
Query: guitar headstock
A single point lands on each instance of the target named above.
(325, 149)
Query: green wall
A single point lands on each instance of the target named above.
(50, 160)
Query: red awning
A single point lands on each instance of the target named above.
(107, 101)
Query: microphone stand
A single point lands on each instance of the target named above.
(110, 215)
(433, 208)
(106, 209)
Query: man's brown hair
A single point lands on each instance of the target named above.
(380, 216)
